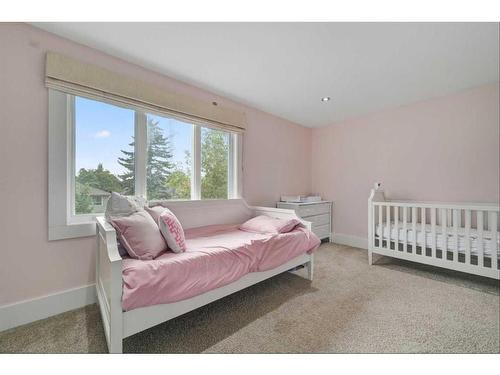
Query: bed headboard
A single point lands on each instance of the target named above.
(194, 214)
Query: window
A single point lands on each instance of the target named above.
(104, 153)
(97, 200)
(96, 148)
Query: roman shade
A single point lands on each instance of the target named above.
(74, 77)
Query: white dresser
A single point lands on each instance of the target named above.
(318, 213)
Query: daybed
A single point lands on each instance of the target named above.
(460, 236)
(134, 294)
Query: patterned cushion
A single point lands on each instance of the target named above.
(172, 231)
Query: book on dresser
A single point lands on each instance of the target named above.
(318, 213)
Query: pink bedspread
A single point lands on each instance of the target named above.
(216, 255)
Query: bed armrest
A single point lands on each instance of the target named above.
(280, 213)
(107, 233)
(109, 283)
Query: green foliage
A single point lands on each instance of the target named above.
(180, 179)
(83, 201)
(165, 180)
(99, 178)
(180, 183)
(214, 164)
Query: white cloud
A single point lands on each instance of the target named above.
(102, 134)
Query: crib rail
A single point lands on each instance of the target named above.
(460, 236)
(448, 205)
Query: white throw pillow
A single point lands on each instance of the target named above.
(121, 205)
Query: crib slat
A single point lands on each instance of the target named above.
(444, 233)
(414, 229)
(388, 223)
(424, 235)
(467, 236)
(396, 228)
(405, 230)
(479, 242)
(433, 232)
(492, 221)
(381, 227)
(455, 235)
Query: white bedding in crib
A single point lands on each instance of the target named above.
(473, 237)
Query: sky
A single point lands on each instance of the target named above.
(102, 130)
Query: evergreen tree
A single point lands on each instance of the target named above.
(159, 164)
(128, 162)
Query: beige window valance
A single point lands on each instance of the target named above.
(73, 77)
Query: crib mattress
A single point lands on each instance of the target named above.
(424, 238)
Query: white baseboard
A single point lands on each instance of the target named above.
(349, 240)
(28, 311)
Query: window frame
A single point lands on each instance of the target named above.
(97, 202)
(63, 222)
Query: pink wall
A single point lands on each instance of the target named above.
(444, 149)
(276, 160)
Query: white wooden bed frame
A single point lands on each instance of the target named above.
(448, 218)
(119, 324)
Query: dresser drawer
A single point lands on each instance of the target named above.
(313, 210)
(322, 230)
(318, 220)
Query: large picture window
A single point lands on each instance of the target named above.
(110, 147)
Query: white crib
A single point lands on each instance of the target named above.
(459, 236)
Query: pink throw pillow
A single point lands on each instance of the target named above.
(172, 231)
(140, 236)
(155, 212)
(267, 224)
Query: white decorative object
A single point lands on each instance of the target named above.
(300, 198)
(459, 236)
(290, 198)
(119, 324)
(311, 199)
(319, 214)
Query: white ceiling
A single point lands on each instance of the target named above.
(285, 68)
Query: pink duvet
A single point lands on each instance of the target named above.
(216, 255)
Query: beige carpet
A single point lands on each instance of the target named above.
(393, 306)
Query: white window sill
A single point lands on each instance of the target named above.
(72, 231)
